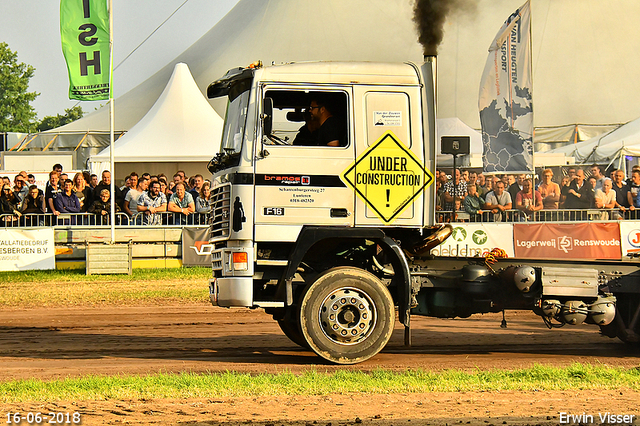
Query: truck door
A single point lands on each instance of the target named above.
(297, 174)
(388, 174)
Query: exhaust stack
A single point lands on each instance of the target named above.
(429, 73)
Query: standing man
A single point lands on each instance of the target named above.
(67, 201)
(93, 181)
(516, 187)
(528, 200)
(197, 186)
(597, 174)
(130, 205)
(621, 190)
(20, 189)
(549, 191)
(181, 202)
(482, 185)
(152, 202)
(577, 197)
(455, 189)
(633, 188)
(52, 192)
(473, 181)
(498, 201)
(606, 199)
(105, 183)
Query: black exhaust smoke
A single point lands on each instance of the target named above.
(429, 17)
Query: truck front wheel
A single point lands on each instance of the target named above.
(346, 315)
(291, 329)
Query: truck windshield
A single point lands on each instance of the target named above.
(235, 121)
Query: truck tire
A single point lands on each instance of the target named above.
(626, 309)
(292, 331)
(346, 315)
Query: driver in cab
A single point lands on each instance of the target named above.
(322, 128)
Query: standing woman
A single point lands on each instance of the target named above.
(82, 191)
(163, 186)
(203, 200)
(203, 203)
(9, 206)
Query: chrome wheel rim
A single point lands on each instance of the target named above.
(347, 315)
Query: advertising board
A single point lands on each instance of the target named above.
(25, 249)
(196, 250)
(630, 238)
(476, 239)
(567, 241)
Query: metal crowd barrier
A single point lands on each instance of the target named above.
(90, 219)
(560, 215)
(204, 219)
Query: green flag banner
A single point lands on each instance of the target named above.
(84, 30)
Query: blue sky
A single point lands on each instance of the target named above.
(32, 29)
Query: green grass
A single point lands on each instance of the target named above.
(189, 385)
(27, 289)
(78, 275)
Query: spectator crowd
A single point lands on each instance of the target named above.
(579, 195)
(465, 196)
(142, 198)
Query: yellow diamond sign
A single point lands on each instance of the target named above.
(388, 177)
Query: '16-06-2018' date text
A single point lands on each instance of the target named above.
(44, 418)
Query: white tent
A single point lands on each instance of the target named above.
(180, 128)
(605, 149)
(455, 127)
(275, 32)
(582, 71)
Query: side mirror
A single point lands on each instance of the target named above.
(267, 116)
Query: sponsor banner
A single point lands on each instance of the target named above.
(476, 239)
(505, 101)
(196, 250)
(84, 32)
(567, 241)
(630, 237)
(25, 249)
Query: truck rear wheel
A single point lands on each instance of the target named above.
(627, 321)
(346, 315)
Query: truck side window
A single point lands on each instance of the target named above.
(303, 118)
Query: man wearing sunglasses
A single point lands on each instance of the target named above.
(329, 131)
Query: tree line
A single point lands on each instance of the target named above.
(16, 112)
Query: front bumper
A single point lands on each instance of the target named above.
(231, 292)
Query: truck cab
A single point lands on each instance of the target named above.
(286, 208)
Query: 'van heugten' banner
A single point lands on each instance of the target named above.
(84, 30)
(505, 101)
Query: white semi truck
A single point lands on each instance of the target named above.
(334, 240)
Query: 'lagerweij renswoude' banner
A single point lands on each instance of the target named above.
(505, 102)
(84, 31)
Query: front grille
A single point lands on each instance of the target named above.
(220, 213)
(216, 260)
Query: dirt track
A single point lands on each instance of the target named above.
(63, 342)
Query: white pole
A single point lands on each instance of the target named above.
(111, 128)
